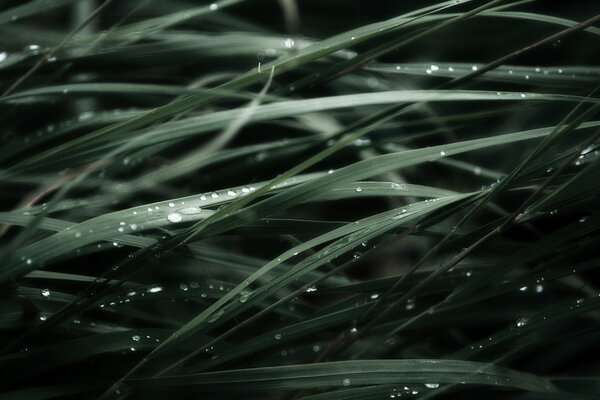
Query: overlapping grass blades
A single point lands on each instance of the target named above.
(199, 204)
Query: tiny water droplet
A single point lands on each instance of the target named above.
(277, 336)
(214, 7)
(244, 297)
(432, 385)
(136, 338)
(522, 322)
(346, 382)
(46, 292)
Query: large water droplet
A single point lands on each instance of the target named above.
(288, 43)
(190, 210)
(174, 217)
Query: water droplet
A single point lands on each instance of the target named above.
(84, 116)
(539, 288)
(523, 95)
(288, 43)
(474, 68)
(28, 261)
(244, 297)
(154, 289)
(43, 318)
(184, 287)
(442, 153)
(190, 210)
(374, 296)
(316, 348)
(214, 7)
(359, 189)
(434, 67)
(432, 385)
(523, 288)
(3, 56)
(277, 336)
(174, 217)
(356, 255)
(522, 322)
(346, 382)
(133, 227)
(232, 193)
(214, 195)
(136, 338)
(45, 292)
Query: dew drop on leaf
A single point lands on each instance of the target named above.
(174, 217)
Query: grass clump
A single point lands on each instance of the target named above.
(201, 201)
